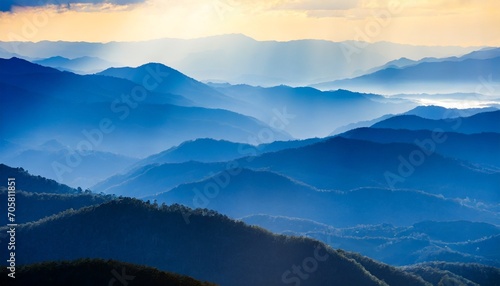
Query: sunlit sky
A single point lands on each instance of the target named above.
(419, 22)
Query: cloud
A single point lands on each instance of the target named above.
(312, 5)
(8, 5)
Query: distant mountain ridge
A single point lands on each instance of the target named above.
(464, 75)
(454, 145)
(237, 58)
(427, 111)
(439, 112)
(261, 192)
(81, 65)
(486, 53)
(478, 123)
(294, 105)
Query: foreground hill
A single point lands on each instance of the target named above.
(35, 206)
(85, 272)
(201, 244)
(468, 274)
(38, 197)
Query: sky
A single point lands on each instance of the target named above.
(417, 22)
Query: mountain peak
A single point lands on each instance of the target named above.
(58, 58)
(137, 74)
(156, 64)
(19, 66)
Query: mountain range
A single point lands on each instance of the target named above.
(259, 192)
(81, 65)
(239, 59)
(434, 239)
(452, 241)
(332, 109)
(177, 175)
(190, 247)
(171, 81)
(52, 153)
(465, 74)
(479, 123)
(335, 164)
(428, 111)
(96, 98)
(455, 145)
(486, 53)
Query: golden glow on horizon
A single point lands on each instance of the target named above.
(420, 22)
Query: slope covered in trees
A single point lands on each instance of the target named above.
(84, 272)
(35, 184)
(35, 206)
(200, 243)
